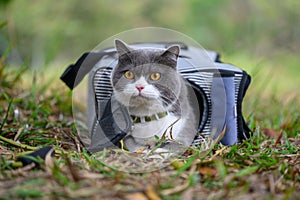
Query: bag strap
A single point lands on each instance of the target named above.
(74, 74)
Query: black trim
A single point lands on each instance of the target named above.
(218, 58)
(243, 129)
(216, 71)
(109, 125)
(223, 73)
(110, 129)
(74, 74)
(41, 153)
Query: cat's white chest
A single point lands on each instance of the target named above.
(148, 130)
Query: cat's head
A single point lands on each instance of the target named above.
(146, 80)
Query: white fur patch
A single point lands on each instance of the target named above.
(148, 130)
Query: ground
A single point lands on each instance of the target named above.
(266, 166)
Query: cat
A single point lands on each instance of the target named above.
(147, 83)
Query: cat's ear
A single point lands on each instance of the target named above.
(122, 47)
(172, 52)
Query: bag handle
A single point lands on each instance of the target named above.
(74, 74)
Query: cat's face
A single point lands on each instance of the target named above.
(146, 80)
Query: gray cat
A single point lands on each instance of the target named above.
(147, 83)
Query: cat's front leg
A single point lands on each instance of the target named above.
(132, 145)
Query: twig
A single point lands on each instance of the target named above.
(18, 133)
(23, 146)
(6, 115)
(27, 147)
(178, 188)
(164, 134)
(278, 139)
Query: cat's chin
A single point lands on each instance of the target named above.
(141, 100)
(143, 96)
(135, 100)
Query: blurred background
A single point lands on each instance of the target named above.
(262, 37)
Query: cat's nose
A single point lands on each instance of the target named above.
(139, 87)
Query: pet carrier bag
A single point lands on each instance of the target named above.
(219, 89)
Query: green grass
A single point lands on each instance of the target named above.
(263, 167)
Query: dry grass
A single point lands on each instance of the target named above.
(264, 167)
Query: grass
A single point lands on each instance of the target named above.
(264, 167)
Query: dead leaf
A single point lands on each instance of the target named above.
(136, 196)
(151, 193)
(188, 194)
(208, 171)
(248, 162)
(177, 164)
(90, 175)
(220, 151)
(49, 163)
(188, 152)
(76, 176)
(295, 141)
(176, 189)
(270, 132)
(278, 139)
(141, 150)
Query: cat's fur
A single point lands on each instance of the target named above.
(169, 93)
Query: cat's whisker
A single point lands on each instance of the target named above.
(168, 102)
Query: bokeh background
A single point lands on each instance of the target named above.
(261, 37)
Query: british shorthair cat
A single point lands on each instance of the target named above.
(147, 83)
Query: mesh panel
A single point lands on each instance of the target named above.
(102, 84)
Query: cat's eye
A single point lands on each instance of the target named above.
(129, 74)
(155, 76)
